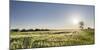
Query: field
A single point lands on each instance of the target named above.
(53, 38)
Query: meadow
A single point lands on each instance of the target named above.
(52, 38)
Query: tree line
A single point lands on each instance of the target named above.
(28, 30)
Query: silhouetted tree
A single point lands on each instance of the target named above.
(37, 29)
(30, 30)
(89, 28)
(14, 30)
(81, 25)
(23, 30)
(41, 30)
(46, 29)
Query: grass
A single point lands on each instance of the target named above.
(39, 39)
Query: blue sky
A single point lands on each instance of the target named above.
(49, 15)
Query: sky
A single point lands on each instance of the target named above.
(33, 15)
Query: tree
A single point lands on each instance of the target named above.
(15, 30)
(37, 29)
(30, 30)
(81, 25)
(23, 30)
(89, 28)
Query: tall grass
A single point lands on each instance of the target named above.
(50, 40)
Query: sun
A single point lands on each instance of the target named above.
(75, 21)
